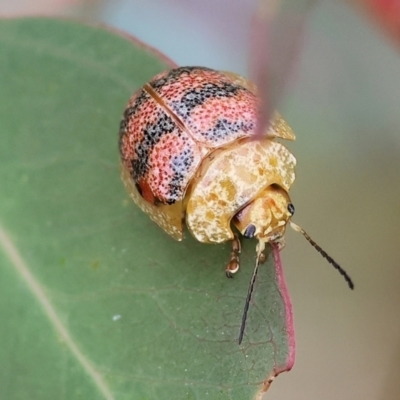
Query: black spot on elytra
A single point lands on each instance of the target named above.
(174, 75)
(224, 128)
(180, 165)
(198, 96)
(129, 113)
(152, 134)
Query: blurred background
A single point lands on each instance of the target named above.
(343, 105)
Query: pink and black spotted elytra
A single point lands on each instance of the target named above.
(215, 111)
(188, 155)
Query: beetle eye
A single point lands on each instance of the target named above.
(290, 208)
(249, 232)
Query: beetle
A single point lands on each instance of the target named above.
(188, 154)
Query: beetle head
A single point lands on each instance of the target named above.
(266, 217)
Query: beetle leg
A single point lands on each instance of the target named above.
(233, 265)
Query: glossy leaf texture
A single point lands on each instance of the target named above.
(96, 301)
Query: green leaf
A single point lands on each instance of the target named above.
(96, 301)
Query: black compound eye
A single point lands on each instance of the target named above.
(290, 208)
(249, 232)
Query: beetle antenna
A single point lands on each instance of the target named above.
(324, 254)
(260, 254)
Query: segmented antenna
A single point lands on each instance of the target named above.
(248, 298)
(324, 254)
